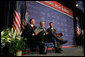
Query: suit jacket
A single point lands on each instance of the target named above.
(42, 35)
(29, 31)
(51, 33)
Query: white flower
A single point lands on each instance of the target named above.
(8, 39)
(18, 38)
(12, 30)
(14, 34)
(2, 33)
(9, 34)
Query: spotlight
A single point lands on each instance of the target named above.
(77, 5)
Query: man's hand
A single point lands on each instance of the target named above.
(36, 33)
(46, 33)
(43, 33)
(33, 34)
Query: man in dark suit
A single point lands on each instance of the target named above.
(29, 33)
(52, 36)
(41, 33)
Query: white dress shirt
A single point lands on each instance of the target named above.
(32, 25)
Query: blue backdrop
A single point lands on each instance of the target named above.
(62, 23)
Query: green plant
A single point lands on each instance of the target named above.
(6, 35)
(17, 45)
(12, 40)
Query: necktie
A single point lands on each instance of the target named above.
(43, 29)
(33, 27)
(52, 30)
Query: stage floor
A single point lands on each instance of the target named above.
(77, 51)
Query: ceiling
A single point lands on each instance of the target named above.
(69, 4)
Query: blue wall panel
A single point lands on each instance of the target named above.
(62, 23)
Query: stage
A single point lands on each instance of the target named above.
(67, 17)
(71, 51)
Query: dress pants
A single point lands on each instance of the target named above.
(42, 48)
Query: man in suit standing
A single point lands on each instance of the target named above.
(52, 35)
(29, 33)
(41, 33)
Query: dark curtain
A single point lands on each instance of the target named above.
(7, 8)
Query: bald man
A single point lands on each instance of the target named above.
(41, 33)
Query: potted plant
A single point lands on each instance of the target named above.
(16, 46)
(13, 41)
(6, 37)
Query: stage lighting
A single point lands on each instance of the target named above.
(77, 5)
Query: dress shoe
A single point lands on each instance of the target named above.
(57, 50)
(60, 49)
(43, 52)
(63, 42)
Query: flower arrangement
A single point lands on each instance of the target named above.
(13, 40)
(6, 36)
